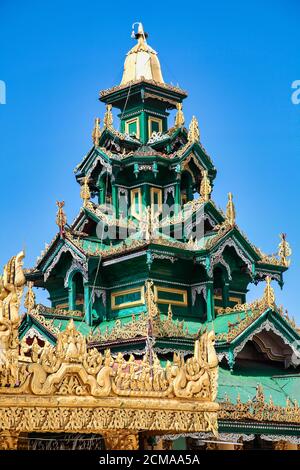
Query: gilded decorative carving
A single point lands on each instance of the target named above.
(284, 251)
(230, 211)
(205, 187)
(121, 441)
(85, 192)
(179, 118)
(257, 409)
(138, 394)
(96, 134)
(29, 302)
(194, 133)
(12, 284)
(61, 218)
(252, 312)
(59, 369)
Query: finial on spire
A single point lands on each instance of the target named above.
(179, 118)
(85, 193)
(96, 134)
(205, 186)
(284, 250)
(194, 133)
(269, 295)
(140, 31)
(61, 218)
(230, 211)
(108, 117)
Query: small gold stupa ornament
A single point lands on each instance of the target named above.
(61, 218)
(194, 133)
(269, 295)
(230, 211)
(96, 134)
(284, 250)
(108, 117)
(205, 187)
(85, 192)
(179, 118)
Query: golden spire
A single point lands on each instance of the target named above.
(96, 134)
(108, 117)
(230, 211)
(85, 193)
(141, 61)
(179, 118)
(29, 301)
(194, 133)
(284, 250)
(269, 295)
(205, 187)
(61, 218)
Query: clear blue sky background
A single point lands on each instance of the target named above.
(237, 60)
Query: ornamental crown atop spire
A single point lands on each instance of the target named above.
(141, 60)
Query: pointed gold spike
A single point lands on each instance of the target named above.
(85, 193)
(230, 211)
(205, 187)
(194, 133)
(108, 117)
(179, 118)
(96, 134)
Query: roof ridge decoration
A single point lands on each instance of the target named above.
(259, 305)
(257, 409)
(131, 83)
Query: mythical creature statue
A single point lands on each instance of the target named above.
(11, 288)
(12, 284)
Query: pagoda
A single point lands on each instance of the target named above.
(151, 262)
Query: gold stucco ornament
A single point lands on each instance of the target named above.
(108, 117)
(230, 211)
(85, 192)
(194, 133)
(61, 218)
(12, 284)
(96, 134)
(179, 118)
(205, 187)
(284, 250)
(11, 288)
(29, 302)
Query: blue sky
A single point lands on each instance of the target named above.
(237, 60)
